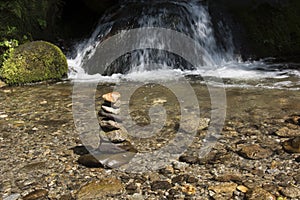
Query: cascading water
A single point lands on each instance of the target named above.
(188, 17)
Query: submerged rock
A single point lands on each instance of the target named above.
(33, 62)
(100, 189)
(37, 194)
(292, 145)
(259, 194)
(254, 152)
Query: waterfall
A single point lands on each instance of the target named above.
(187, 17)
(190, 18)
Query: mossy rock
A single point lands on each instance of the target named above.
(34, 62)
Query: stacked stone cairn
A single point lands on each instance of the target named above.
(115, 143)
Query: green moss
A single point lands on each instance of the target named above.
(33, 62)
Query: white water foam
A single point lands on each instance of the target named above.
(226, 64)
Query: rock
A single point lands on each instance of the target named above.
(131, 188)
(89, 160)
(188, 189)
(35, 195)
(255, 152)
(110, 116)
(286, 132)
(291, 191)
(111, 110)
(100, 189)
(2, 84)
(117, 136)
(190, 159)
(242, 188)
(180, 179)
(12, 197)
(112, 97)
(298, 159)
(259, 194)
(224, 188)
(160, 185)
(192, 124)
(292, 145)
(229, 177)
(110, 125)
(33, 62)
(294, 119)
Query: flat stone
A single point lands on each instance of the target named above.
(229, 177)
(193, 124)
(89, 160)
(189, 159)
(111, 97)
(259, 194)
(115, 111)
(242, 188)
(255, 152)
(224, 188)
(117, 136)
(35, 195)
(160, 185)
(292, 145)
(110, 116)
(286, 132)
(100, 189)
(291, 192)
(110, 125)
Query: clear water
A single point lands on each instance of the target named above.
(192, 19)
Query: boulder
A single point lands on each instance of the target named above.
(34, 62)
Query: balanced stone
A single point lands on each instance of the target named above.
(110, 125)
(110, 116)
(117, 136)
(112, 97)
(111, 110)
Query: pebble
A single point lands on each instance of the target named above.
(259, 194)
(254, 152)
(291, 192)
(3, 116)
(292, 145)
(295, 119)
(117, 136)
(110, 116)
(100, 189)
(112, 97)
(224, 187)
(188, 189)
(242, 188)
(35, 195)
(286, 132)
(189, 159)
(160, 185)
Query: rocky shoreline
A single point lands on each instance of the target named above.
(42, 157)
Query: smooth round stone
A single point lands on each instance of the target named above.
(117, 136)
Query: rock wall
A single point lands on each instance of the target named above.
(260, 28)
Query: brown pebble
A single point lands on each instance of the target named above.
(292, 145)
(255, 152)
(37, 194)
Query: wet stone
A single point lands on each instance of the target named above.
(292, 145)
(286, 132)
(115, 111)
(131, 188)
(89, 161)
(229, 177)
(254, 152)
(291, 192)
(160, 185)
(110, 125)
(224, 188)
(259, 194)
(189, 159)
(112, 97)
(110, 116)
(36, 195)
(117, 136)
(294, 119)
(100, 189)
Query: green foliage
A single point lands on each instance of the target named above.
(32, 62)
(6, 48)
